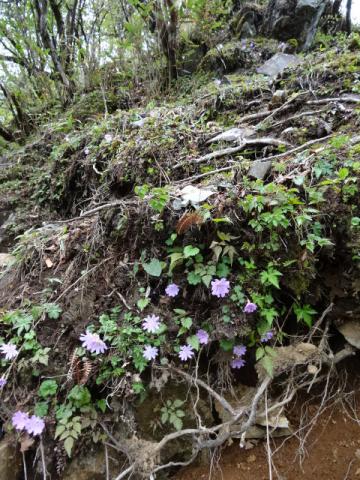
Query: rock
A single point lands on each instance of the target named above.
(6, 260)
(91, 466)
(10, 460)
(351, 331)
(260, 169)
(233, 135)
(278, 63)
(294, 20)
(278, 98)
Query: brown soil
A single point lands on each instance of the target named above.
(332, 452)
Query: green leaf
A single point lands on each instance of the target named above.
(48, 388)
(153, 268)
(178, 403)
(268, 365)
(270, 277)
(227, 344)
(193, 341)
(68, 445)
(186, 322)
(41, 409)
(164, 417)
(193, 278)
(206, 279)
(304, 314)
(177, 422)
(190, 251)
(175, 259)
(53, 310)
(101, 404)
(260, 352)
(142, 303)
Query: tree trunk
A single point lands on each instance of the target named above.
(348, 16)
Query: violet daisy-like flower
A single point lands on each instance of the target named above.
(150, 353)
(19, 420)
(186, 352)
(9, 350)
(202, 336)
(151, 324)
(35, 425)
(267, 336)
(220, 287)
(239, 350)
(93, 343)
(250, 307)
(3, 382)
(237, 363)
(172, 290)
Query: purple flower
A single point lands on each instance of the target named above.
(3, 382)
(108, 137)
(237, 363)
(9, 350)
(267, 336)
(186, 352)
(172, 290)
(250, 307)
(202, 336)
(220, 288)
(35, 425)
(151, 324)
(150, 353)
(19, 420)
(93, 343)
(239, 350)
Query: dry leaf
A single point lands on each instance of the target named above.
(187, 221)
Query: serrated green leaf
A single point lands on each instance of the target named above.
(193, 341)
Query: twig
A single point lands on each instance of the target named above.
(24, 466)
(202, 175)
(299, 115)
(345, 98)
(125, 472)
(43, 464)
(118, 203)
(284, 106)
(297, 149)
(268, 447)
(107, 463)
(319, 322)
(225, 404)
(230, 150)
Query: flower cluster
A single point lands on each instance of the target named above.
(203, 337)
(93, 343)
(9, 350)
(238, 351)
(3, 382)
(267, 336)
(151, 324)
(250, 307)
(172, 290)
(186, 352)
(34, 425)
(220, 287)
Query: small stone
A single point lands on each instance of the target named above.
(312, 369)
(259, 169)
(278, 63)
(251, 459)
(351, 331)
